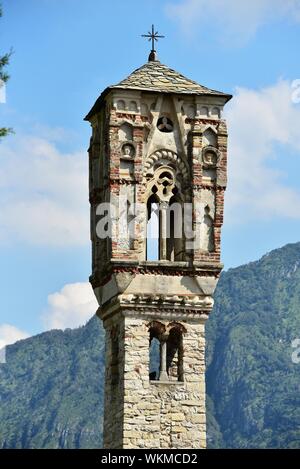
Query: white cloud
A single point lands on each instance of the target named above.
(44, 196)
(258, 121)
(10, 334)
(71, 307)
(234, 20)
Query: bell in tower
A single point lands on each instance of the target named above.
(157, 177)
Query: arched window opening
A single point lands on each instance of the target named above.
(166, 352)
(174, 230)
(175, 354)
(164, 228)
(152, 240)
(165, 174)
(144, 109)
(156, 331)
(215, 112)
(204, 111)
(121, 105)
(154, 359)
(133, 106)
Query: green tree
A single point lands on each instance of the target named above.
(4, 60)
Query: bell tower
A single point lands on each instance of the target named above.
(157, 176)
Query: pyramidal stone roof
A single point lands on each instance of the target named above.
(157, 77)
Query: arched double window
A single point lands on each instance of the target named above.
(165, 235)
(166, 351)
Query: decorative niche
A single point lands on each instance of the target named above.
(125, 132)
(144, 109)
(210, 137)
(210, 157)
(164, 124)
(127, 161)
(121, 105)
(128, 151)
(127, 169)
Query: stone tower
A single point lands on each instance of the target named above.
(157, 176)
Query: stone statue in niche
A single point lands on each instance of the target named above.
(128, 151)
(207, 242)
(210, 159)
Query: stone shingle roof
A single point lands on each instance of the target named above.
(155, 76)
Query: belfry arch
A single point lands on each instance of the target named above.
(167, 158)
(165, 175)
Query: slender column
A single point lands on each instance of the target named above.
(163, 375)
(163, 206)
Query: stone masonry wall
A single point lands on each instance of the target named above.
(152, 414)
(140, 413)
(114, 384)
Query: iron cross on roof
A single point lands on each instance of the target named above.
(153, 36)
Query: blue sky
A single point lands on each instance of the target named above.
(65, 53)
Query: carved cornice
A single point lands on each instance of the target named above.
(164, 301)
(164, 312)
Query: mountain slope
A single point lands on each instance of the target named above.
(51, 388)
(251, 377)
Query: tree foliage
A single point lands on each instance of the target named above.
(4, 61)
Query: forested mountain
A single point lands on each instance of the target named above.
(51, 388)
(251, 378)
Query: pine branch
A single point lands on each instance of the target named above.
(5, 131)
(4, 61)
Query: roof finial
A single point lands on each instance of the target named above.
(153, 36)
